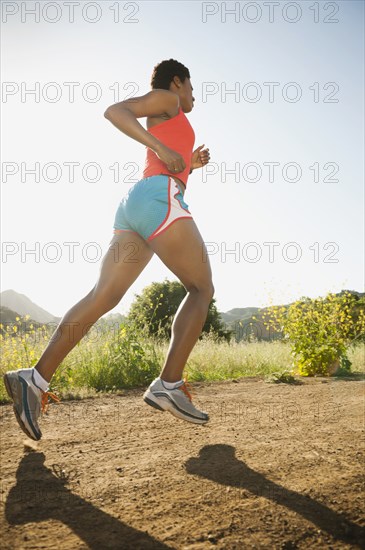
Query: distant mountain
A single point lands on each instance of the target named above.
(22, 305)
(248, 322)
(8, 317)
(238, 313)
(14, 304)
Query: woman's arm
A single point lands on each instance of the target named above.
(124, 116)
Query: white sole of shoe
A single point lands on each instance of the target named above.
(164, 404)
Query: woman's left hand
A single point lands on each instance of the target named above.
(200, 157)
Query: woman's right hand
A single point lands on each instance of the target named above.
(173, 160)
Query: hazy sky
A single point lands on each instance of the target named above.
(286, 144)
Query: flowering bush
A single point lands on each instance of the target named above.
(20, 346)
(320, 331)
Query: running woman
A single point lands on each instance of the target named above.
(152, 217)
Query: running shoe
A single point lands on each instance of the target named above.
(177, 401)
(29, 400)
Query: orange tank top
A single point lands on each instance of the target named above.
(177, 134)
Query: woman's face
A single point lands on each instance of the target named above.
(187, 101)
(185, 93)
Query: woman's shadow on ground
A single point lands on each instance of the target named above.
(41, 495)
(218, 463)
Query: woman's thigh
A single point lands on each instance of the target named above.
(182, 249)
(127, 256)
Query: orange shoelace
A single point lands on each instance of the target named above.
(185, 387)
(45, 403)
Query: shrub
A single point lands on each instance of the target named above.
(125, 360)
(319, 331)
(153, 311)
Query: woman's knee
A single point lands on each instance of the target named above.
(205, 289)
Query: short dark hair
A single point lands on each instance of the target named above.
(164, 73)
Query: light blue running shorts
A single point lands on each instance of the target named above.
(151, 206)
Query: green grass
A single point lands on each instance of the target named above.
(113, 361)
(211, 361)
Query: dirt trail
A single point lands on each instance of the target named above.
(277, 466)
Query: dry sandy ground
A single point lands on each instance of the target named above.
(277, 466)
